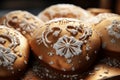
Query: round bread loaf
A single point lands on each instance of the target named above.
(109, 31)
(66, 45)
(100, 17)
(106, 69)
(96, 11)
(14, 53)
(103, 72)
(63, 10)
(23, 21)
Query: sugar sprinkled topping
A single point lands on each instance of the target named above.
(88, 47)
(113, 41)
(40, 57)
(73, 30)
(63, 10)
(8, 53)
(51, 62)
(68, 47)
(86, 32)
(42, 71)
(25, 61)
(87, 57)
(56, 31)
(7, 58)
(2, 40)
(114, 29)
(100, 17)
(73, 69)
(43, 38)
(23, 23)
(50, 53)
(69, 61)
(111, 62)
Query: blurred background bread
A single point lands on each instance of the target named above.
(96, 11)
(64, 11)
(22, 21)
(102, 72)
(35, 6)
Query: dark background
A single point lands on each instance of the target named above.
(35, 6)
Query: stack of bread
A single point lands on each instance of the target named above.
(64, 42)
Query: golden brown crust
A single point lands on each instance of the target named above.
(109, 30)
(100, 17)
(23, 21)
(14, 52)
(66, 44)
(63, 10)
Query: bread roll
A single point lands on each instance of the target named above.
(63, 10)
(23, 21)
(66, 45)
(103, 71)
(96, 11)
(107, 69)
(14, 53)
(99, 18)
(109, 31)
